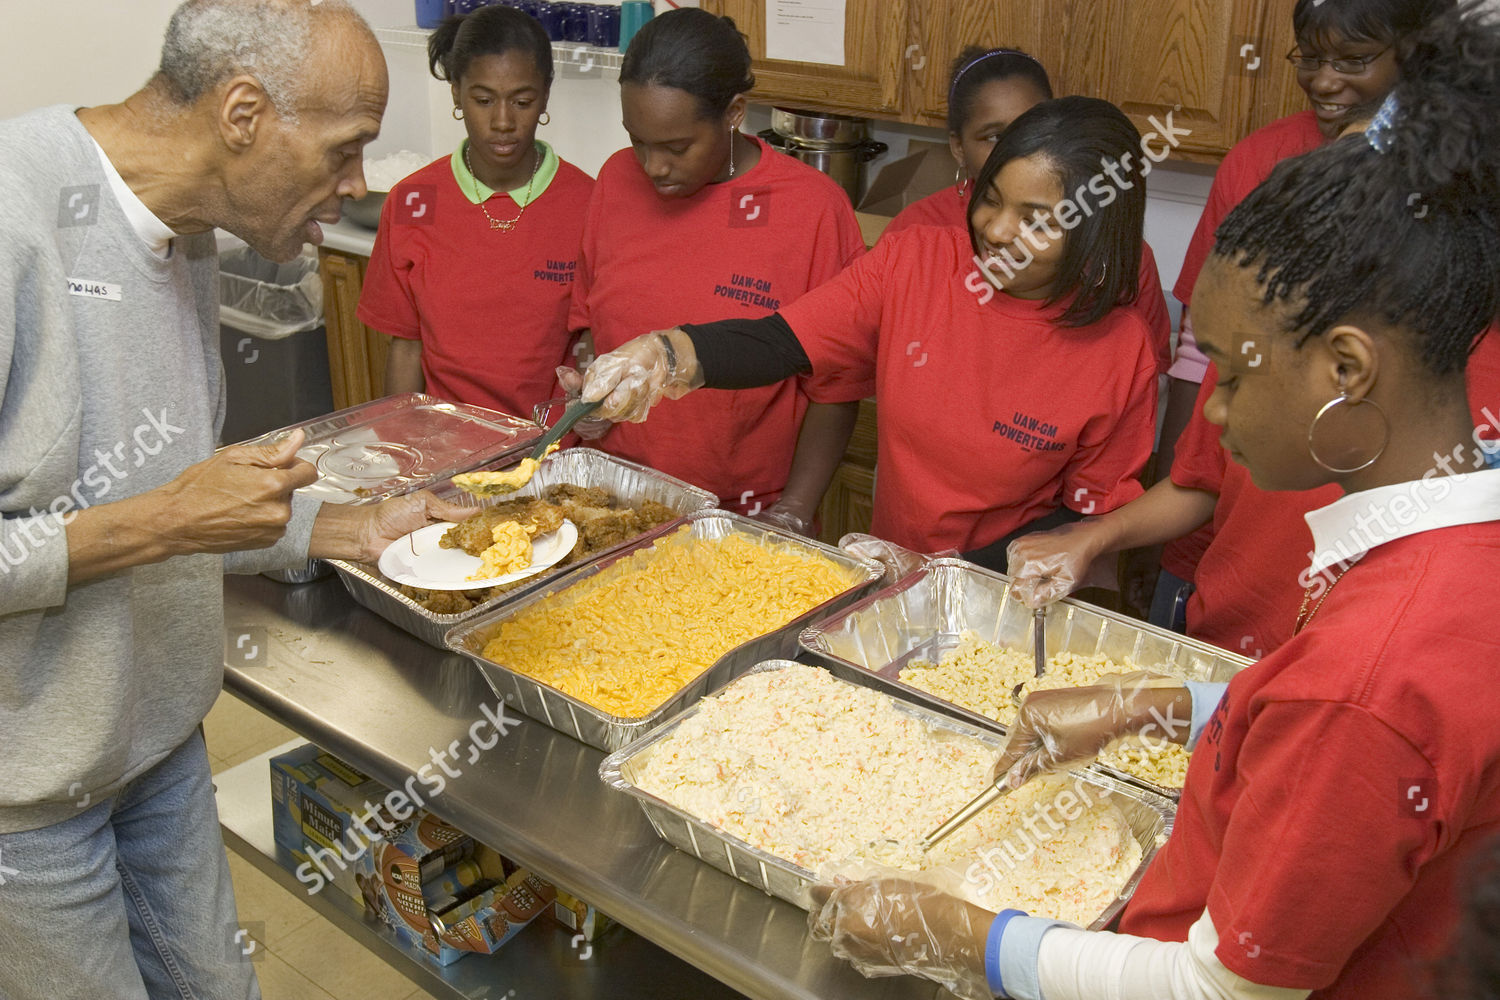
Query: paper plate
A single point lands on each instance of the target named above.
(417, 559)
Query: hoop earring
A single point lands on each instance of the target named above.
(458, 115)
(1103, 273)
(546, 119)
(961, 181)
(1342, 399)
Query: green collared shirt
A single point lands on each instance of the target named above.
(475, 190)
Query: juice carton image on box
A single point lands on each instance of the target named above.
(322, 811)
(440, 891)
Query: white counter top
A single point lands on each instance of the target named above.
(349, 237)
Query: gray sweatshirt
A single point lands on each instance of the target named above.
(110, 385)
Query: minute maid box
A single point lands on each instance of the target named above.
(315, 799)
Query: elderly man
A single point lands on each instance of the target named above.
(118, 518)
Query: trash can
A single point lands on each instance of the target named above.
(273, 342)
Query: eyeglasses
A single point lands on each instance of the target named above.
(1352, 66)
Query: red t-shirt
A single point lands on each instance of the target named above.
(1245, 168)
(1248, 591)
(948, 208)
(991, 414)
(743, 248)
(489, 307)
(1345, 782)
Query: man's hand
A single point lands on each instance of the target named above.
(361, 534)
(240, 498)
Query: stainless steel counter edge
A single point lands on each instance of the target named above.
(414, 717)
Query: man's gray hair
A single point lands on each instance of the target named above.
(209, 41)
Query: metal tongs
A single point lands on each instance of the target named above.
(1039, 647)
(999, 789)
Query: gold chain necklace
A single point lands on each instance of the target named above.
(506, 225)
(1305, 616)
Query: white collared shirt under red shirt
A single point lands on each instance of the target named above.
(991, 414)
(1346, 780)
(740, 249)
(949, 208)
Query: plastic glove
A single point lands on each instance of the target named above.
(785, 516)
(1047, 566)
(898, 562)
(894, 926)
(1064, 727)
(571, 380)
(640, 373)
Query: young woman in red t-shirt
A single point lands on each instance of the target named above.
(696, 221)
(1015, 381)
(1345, 61)
(474, 260)
(1343, 784)
(990, 89)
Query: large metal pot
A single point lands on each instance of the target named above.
(819, 130)
(845, 165)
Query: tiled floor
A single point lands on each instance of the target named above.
(307, 957)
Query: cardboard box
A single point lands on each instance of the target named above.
(579, 917)
(440, 891)
(927, 168)
(316, 800)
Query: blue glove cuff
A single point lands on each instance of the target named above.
(992, 950)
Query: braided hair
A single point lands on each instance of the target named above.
(1411, 235)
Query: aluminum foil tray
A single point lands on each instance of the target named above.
(630, 482)
(401, 444)
(608, 732)
(1150, 815)
(921, 617)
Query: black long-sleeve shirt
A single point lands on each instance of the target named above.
(745, 353)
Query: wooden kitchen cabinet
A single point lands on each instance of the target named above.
(1215, 64)
(872, 79)
(356, 354)
(850, 501)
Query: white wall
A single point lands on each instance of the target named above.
(81, 52)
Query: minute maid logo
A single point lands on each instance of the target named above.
(1031, 433)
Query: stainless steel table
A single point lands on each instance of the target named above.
(387, 703)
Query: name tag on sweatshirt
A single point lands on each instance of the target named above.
(94, 289)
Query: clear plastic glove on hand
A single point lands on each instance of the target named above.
(785, 516)
(898, 562)
(1047, 566)
(892, 926)
(1064, 727)
(634, 377)
(571, 380)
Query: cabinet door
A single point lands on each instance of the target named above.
(872, 79)
(850, 503)
(1195, 58)
(356, 354)
(1276, 92)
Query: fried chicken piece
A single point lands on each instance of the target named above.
(653, 514)
(582, 496)
(476, 534)
(445, 602)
